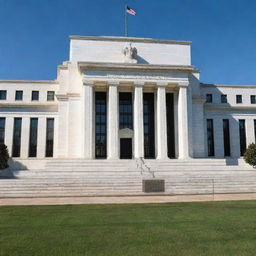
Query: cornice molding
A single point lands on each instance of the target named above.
(128, 67)
(229, 107)
(30, 81)
(129, 39)
(228, 86)
(48, 106)
(65, 97)
(198, 100)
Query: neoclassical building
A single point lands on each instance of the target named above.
(126, 98)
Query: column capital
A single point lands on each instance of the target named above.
(139, 84)
(88, 82)
(113, 83)
(183, 84)
(161, 84)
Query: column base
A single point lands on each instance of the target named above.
(113, 158)
(162, 158)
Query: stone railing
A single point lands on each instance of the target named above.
(143, 167)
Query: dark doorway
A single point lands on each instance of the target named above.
(170, 125)
(126, 148)
(149, 125)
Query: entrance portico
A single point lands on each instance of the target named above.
(139, 133)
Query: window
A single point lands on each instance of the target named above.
(100, 125)
(35, 95)
(125, 111)
(149, 125)
(50, 95)
(224, 98)
(49, 137)
(210, 137)
(255, 130)
(239, 99)
(226, 137)
(3, 94)
(242, 135)
(170, 125)
(2, 129)
(18, 95)
(33, 137)
(16, 137)
(253, 99)
(208, 98)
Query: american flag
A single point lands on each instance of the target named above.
(130, 11)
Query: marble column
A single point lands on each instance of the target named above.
(8, 138)
(161, 123)
(138, 122)
(88, 120)
(183, 122)
(112, 131)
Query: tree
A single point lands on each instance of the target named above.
(250, 155)
(4, 156)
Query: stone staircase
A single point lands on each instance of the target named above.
(79, 177)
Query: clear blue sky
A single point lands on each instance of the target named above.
(34, 33)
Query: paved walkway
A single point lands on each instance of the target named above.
(125, 199)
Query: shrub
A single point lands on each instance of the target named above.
(4, 156)
(250, 155)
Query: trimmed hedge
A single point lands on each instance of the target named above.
(250, 155)
(4, 156)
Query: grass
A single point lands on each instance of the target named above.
(189, 229)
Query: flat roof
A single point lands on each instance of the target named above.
(129, 39)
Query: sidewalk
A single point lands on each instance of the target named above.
(125, 199)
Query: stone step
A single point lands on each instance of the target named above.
(99, 188)
(68, 184)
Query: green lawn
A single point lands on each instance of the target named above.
(216, 228)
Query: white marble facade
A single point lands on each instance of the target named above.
(117, 65)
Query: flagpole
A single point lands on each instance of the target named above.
(126, 21)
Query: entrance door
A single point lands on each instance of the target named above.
(126, 148)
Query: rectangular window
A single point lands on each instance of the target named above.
(35, 95)
(125, 110)
(2, 129)
(16, 143)
(33, 137)
(224, 98)
(49, 137)
(50, 95)
(255, 131)
(3, 94)
(226, 137)
(149, 125)
(210, 137)
(170, 125)
(239, 99)
(253, 99)
(100, 125)
(242, 134)
(208, 98)
(18, 95)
